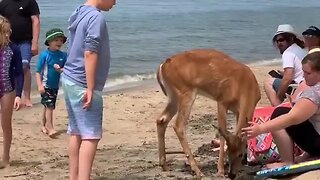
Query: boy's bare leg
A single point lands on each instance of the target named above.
(27, 87)
(49, 122)
(44, 121)
(6, 123)
(74, 147)
(86, 156)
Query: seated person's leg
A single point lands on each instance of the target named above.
(282, 140)
(271, 86)
(306, 137)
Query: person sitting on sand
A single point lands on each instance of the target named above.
(48, 70)
(291, 48)
(11, 85)
(299, 124)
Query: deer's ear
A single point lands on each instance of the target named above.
(225, 134)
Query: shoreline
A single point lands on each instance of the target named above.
(144, 84)
(149, 77)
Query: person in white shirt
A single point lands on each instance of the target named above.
(292, 50)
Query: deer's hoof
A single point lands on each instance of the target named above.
(199, 174)
(220, 174)
(164, 167)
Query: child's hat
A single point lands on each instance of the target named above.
(53, 33)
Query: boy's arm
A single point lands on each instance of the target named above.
(90, 59)
(39, 69)
(92, 45)
(39, 83)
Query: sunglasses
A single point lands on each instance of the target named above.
(308, 36)
(280, 40)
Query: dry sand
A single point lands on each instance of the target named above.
(128, 149)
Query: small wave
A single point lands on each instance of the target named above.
(266, 62)
(127, 79)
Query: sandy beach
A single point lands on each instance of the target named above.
(128, 149)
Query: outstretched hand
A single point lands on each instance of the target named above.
(87, 99)
(251, 131)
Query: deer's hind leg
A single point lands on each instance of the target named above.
(162, 123)
(185, 102)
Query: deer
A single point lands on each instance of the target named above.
(215, 75)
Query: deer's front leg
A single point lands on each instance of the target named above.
(220, 165)
(222, 117)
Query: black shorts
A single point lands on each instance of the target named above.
(303, 134)
(49, 97)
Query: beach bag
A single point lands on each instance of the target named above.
(262, 149)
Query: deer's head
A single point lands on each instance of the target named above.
(236, 149)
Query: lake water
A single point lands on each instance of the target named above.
(145, 32)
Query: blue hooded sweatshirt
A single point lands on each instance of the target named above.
(87, 32)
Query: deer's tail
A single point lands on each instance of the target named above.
(160, 79)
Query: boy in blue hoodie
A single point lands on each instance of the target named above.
(83, 80)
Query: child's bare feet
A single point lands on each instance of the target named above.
(28, 103)
(52, 133)
(44, 130)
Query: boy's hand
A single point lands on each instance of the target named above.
(87, 99)
(41, 90)
(57, 67)
(17, 103)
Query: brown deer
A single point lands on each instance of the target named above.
(215, 75)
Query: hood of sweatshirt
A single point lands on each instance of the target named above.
(78, 15)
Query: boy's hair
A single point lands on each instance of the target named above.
(5, 32)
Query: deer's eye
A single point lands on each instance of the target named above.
(240, 155)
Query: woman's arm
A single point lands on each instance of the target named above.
(299, 113)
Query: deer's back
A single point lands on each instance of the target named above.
(211, 72)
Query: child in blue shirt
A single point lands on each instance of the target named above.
(48, 70)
